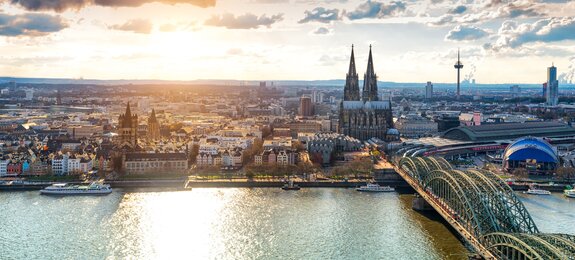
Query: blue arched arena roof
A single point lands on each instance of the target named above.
(530, 148)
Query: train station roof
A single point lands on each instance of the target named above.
(509, 131)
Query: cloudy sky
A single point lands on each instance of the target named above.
(413, 41)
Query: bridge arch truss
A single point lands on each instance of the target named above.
(488, 208)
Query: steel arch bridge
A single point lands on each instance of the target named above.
(487, 208)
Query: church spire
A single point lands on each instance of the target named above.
(352, 70)
(127, 117)
(153, 116)
(351, 90)
(370, 63)
(370, 81)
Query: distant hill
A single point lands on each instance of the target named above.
(278, 83)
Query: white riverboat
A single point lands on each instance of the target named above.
(569, 193)
(374, 187)
(93, 188)
(535, 191)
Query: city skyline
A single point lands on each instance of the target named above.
(500, 42)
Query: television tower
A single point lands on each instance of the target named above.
(458, 65)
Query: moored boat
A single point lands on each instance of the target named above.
(290, 186)
(569, 193)
(535, 191)
(374, 187)
(93, 188)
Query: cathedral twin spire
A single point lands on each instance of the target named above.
(351, 90)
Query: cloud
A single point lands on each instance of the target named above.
(465, 33)
(62, 5)
(330, 60)
(495, 9)
(31, 24)
(458, 10)
(322, 31)
(235, 51)
(320, 14)
(270, 1)
(378, 10)
(513, 35)
(168, 27)
(136, 26)
(246, 21)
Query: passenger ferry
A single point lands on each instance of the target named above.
(569, 193)
(374, 187)
(535, 191)
(93, 188)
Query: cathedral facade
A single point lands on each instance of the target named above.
(363, 115)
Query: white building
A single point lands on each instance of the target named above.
(29, 94)
(4, 168)
(73, 165)
(60, 165)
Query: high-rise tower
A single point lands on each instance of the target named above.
(370, 81)
(351, 90)
(429, 90)
(552, 97)
(458, 65)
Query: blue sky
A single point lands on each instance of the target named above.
(413, 41)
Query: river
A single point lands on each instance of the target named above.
(238, 224)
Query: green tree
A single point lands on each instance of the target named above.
(566, 173)
(520, 173)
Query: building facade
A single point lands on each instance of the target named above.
(138, 163)
(306, 106)
(128, 128)
(366, 116)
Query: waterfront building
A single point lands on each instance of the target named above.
(429, 90)
(276, 156)
(552, 95)
(127, 129)
(14, 169)
(138, 163)
(365, 117)
(60, 164)
(4, 167)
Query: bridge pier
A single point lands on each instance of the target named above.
(420, 204)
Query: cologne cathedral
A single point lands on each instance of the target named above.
(363, 115)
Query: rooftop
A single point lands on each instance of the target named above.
(509, 131)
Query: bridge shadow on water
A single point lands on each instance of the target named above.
(438, 232)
